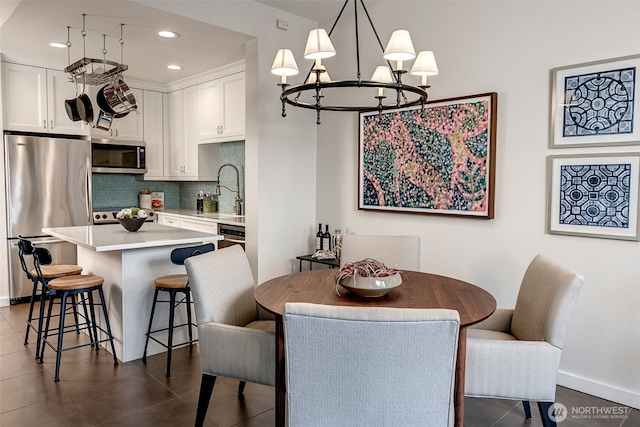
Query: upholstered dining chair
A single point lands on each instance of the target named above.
(515, 354)
(400, 252)
(355, 366)
(234, 341)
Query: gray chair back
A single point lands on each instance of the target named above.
(400, 252)
(354, 366)
(222, 285)
(545, 302)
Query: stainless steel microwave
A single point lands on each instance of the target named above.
(108, 156)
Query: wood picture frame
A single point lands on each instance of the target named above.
(439, 159)
(595, 103)
(594, 195)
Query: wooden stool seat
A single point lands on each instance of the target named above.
(173, 281)
(80, 281)
(57, 270)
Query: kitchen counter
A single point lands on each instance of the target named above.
(210, 216)
(129, 262)
(114, 237)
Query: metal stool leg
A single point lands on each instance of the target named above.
(94, 320)
(63, 306)
(45, 331)
(172, 302)
(88, 320)
(75, 312)
(43, 301)
(107, 324)
(188, 297)
(34, 291)
(153, 310)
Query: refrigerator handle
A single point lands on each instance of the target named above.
(88, 187)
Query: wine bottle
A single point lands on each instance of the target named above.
(326, 239)
(319, 238)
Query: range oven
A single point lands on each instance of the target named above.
(233, 235)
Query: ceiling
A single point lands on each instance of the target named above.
(26, 33)
(28, 26)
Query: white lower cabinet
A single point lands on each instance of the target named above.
(188, 223)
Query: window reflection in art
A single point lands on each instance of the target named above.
(599, 103)
(595, 195)
(438, 161)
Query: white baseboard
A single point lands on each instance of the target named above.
(5, 302)
(603, 391)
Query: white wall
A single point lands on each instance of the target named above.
(509, 48)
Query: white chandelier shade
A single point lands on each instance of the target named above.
(319, 45)
(425, 65)
(284, 64)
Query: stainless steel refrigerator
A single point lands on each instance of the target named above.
(48, 180)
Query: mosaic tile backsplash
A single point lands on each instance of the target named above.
(119, 190)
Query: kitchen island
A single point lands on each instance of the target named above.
(129, 263)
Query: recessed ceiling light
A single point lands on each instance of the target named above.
(168, 34)
(174, 67)
(59, 45)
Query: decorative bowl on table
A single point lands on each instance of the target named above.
(131, 218)
(367, 278)
(371, 286)
(131, 224)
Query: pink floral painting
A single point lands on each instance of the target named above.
(439, 159)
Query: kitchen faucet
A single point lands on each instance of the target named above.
(237, 208)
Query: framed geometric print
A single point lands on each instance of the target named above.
(594, 195)
(596, 103)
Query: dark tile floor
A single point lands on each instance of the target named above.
(92, 391)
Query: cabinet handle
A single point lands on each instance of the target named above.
(116, 133)
(51, 124)
(44, 124)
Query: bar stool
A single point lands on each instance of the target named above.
(82, 285)
(173, 284)
(49, 272)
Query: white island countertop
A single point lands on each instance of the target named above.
(114, 237)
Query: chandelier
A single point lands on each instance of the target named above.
(319, 46)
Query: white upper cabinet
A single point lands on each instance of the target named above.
(181, 143)
(153, 133)
(127, 128)
(221, 109)
(33, 100)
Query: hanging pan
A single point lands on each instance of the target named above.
(70, 106)
(83, 104)
(105, 106)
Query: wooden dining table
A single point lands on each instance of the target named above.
(418, 290)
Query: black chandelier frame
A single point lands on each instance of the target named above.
(291, 95)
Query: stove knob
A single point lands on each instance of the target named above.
(97, 216)
(104, 216)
